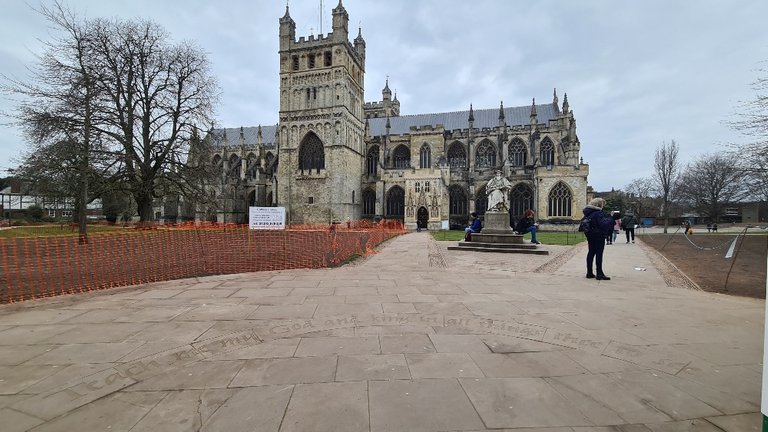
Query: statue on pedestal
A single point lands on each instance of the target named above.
(498, 193)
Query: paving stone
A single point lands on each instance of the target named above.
(739, 381)
(217, 312)
(67, 375)
(96, 333)
(198, 375)
(353, 299)
(356, 291)
(157, 293)
(262, 292)
(521, 402)
(14, 379)
(540, 364)
(325, 346)
(100, 315)
(176, 332)
(631, 405)
(443, 308)
(273, 349)
(398, 308)
(275, 300)
(459, 344)
(38, 317)
(333, 309)
(32, 334)
(113, 413)
(507, 344)
(296, 283)
(284, 311)
(739, 423)
(85, 353)
(411, 343)
(372, 367)
(417, 298)
(15, 421)
(286, 371)
(21, 353)
(401, 406)
(695, 425)
(184, 410)
(206, 293)
(598, 363)
(446, 365)
(251, 409)
(344, 407)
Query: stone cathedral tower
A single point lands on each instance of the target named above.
(321, 144)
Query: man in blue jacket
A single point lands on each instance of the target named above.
(601, 225)
(475, 227)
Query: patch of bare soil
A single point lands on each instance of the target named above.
(702, 258)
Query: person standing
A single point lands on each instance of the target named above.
(601, 226)
(528, 224)
(616, 226)
(628, 223)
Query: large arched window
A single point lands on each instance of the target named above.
(311, 153)
(486, 155)
(395, 203)
(517, 153)
(547, 153)
(217, 164)
(252, 166)
(369, 202)
(402, 157)
(234, 167)
(560, 200)
(270, 164)
(481, 201)
(457, 200)
(457, 157)
(425, 156)
(520, 200)
(372, 161)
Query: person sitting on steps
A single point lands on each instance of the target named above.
(475, 227)
(527, 224)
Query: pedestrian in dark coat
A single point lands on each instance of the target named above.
(601, 225)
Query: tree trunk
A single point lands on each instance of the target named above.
(144, 206)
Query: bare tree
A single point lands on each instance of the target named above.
(119, 90)
(753, 122)
(666, 173)
(57, 114)
(712, 182)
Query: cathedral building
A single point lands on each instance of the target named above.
(334, 157)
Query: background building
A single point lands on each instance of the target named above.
(342, 158)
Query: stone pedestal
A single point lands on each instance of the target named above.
(496, 223)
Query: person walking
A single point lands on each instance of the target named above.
(528, 225)
(601, 226)
(628, 223)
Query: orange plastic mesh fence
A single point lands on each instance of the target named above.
(34, 267)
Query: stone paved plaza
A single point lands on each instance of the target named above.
(414, 338)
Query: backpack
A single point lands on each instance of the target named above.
(585, 225)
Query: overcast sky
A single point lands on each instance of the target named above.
(636, 73)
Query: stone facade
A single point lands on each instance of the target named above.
(342, 158)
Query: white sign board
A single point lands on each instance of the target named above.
(266, 218)
(444, 225)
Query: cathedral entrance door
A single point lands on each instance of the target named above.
(422, 216)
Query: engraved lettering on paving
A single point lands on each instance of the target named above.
(644, 356)
(580, 341)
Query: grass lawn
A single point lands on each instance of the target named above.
(55, 230)
(545, 237)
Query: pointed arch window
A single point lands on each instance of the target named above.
(217, 164)
(481, 201)
(457, 157)
(486, 155)
(520, 200)
(372, 161)
(425, 156)
(517, 153)
(234, 167)
(252, 166)
(395, 203)
(560, 201)
(402, 157)
(311, 153)
(270, 164)
(457, 201)
(547, 153)
(369, 202)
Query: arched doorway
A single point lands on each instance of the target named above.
(422, 217)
